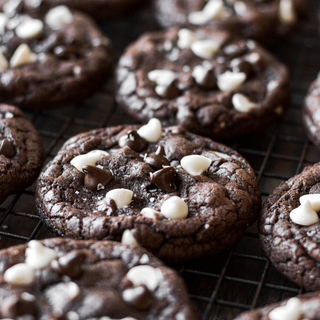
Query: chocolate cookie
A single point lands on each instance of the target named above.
(21, 152)
(177, 194)
(208, 82)
(56, 60)
(262, 20)
(289, 227)
(302, 307)
(58, 279)
(98, 9)
(311, 120)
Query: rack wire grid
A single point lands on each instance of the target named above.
(226, 284)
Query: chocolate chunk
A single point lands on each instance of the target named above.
(134, 141)
(158, 159)
(69, 264)
(138, 297)
(243, 66)
(96, 178)
(209, 81)
(164, 179)
(170, 92)
(15, 306)
(7, 149)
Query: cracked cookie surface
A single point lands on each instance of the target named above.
(21, 152)
(89, 280)
(221, 86)
(292, 248)
(221, 202)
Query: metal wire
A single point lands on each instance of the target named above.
(228, 283)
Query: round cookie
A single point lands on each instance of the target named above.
(289, 227)
(310, 117)
(306, 306)
(98, 9)
(21, 152)
(56, 60)
(59, 279)
(181, 196)
(262, 20)
(209, 82)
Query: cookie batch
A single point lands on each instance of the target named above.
(123, 198)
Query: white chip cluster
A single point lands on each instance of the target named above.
(291, 311)
(306, 213)
(37, 257)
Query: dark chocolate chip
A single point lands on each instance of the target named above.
(7, 149)
(209, 81)
(69, 264)
(220, 69)
(15, 306)
(243, 66)
(96, 178)
(66, 52)
(164, 179)
(235, 50)
(158, 159)
(134, 141)
(170, 92)
(138, 297)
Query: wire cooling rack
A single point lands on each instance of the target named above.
(225, 284)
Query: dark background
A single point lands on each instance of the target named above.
(229, 283)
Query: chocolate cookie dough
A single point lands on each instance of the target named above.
(311, 118)
(58, 279)
(98, 9)
(302, 307)
(21, 152)
(177, 194)
(57, 59)
(208, 82)
(289, 228)
(262, 20)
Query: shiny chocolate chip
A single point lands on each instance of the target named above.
(66, 52)
(164, 179)
(169, 92)
(96, 178)
(134, 141)
(209, 80)
(69, 264)
(243, 66)
(138, 297)
(15, 306)
(7, 148)
(235, 50)
(158, 159)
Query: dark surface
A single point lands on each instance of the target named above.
(229, 283)
(101, 277)
(206, 112)
(227, 194)
(292, 248)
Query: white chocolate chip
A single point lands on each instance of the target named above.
(151, 213)
(23, 55)
(240, 8)
(205, 49)
(199, 73)
(131, 293)
(77, 70)
(291, 311)
(195, 164)
(272, 85)
(174, 208)
(3, 22)
(57, 17)
(253, 57)
(162, 77)
(152, 131)
(186, 38)
(3, 62)
(38, 256)
(145, 275)
(29, 29)
(230, 81)
(122, 197)
(306, 213)
(19, 275)
(10, 7)
(213, 9)
(242, 104)
(128, 238)
(88, 159)
(287, 13)
(144, 259)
